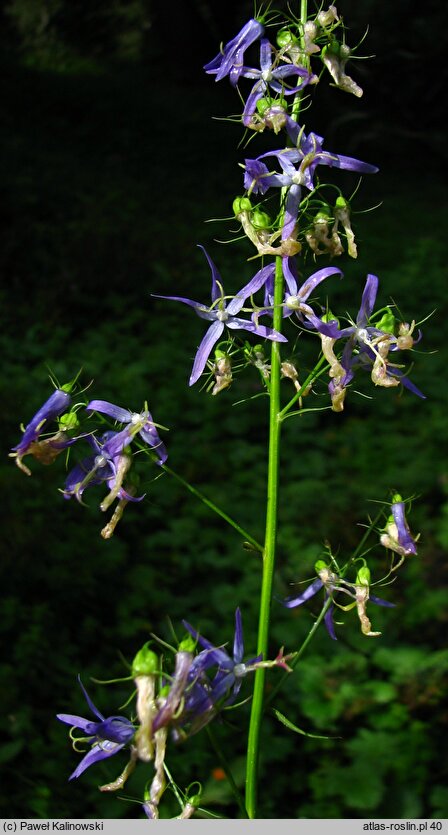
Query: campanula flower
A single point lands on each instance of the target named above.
(223, 315)
(140, 423)
(230, 60)
(397, 536)
(108, 463)
(296, 297)
(372, 344)
(56, 404)
(270, 76)
(332, 583)
(308, 153)
(107, 736)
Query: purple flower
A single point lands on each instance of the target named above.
(56, 404)
(108, 736)
(397, 536)
(332, 584)
(308, 153)
(271, 76)
(404, 535)
(230, 60)
(373, 344)
(296, 297)
(231, 669)
(224, 315)
(109, 463)
(140, 423)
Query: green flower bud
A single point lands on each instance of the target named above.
(341, 202)
(396, 498)
(219, 355)
(363, 576)
(187, 645)
(194, 800)
(241, 204)
(320, 565)
(387, 322)
(260, 220)
(163, 692)
(145, 663)
(285, 38)
(68, 421)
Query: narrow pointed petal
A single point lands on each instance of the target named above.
(238, 643)
(368, 300)
(106, 408)
(380, 602)
(210, 339)
(216, 292)
(256, 283)
(314, 280)
(329, 623)
(309, 592)
(99, 751)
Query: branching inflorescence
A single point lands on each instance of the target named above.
(179, 694)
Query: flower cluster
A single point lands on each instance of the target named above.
(184, 701)
(111, 455)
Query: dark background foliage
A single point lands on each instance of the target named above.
(111, 165)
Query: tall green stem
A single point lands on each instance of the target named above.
(253, 747)
(275, 422)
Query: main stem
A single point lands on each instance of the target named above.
(253, 747)
(275, 422)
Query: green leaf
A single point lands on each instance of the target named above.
(281, 718)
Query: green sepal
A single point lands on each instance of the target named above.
(145, 663)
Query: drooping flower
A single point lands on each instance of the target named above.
(230, 60)
(223, 315)
(371, 343)
(333, 584)
(107, 736)
(136, 423)
(397, 536)
(56, 404)
(109, 463)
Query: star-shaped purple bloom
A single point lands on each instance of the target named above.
(140, 423)
(231, 669)
(230, 61)
(295, 297)
(271, 76)
(224, 315)
(108, 736)
(308, 153)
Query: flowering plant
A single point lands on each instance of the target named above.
(180, 693)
